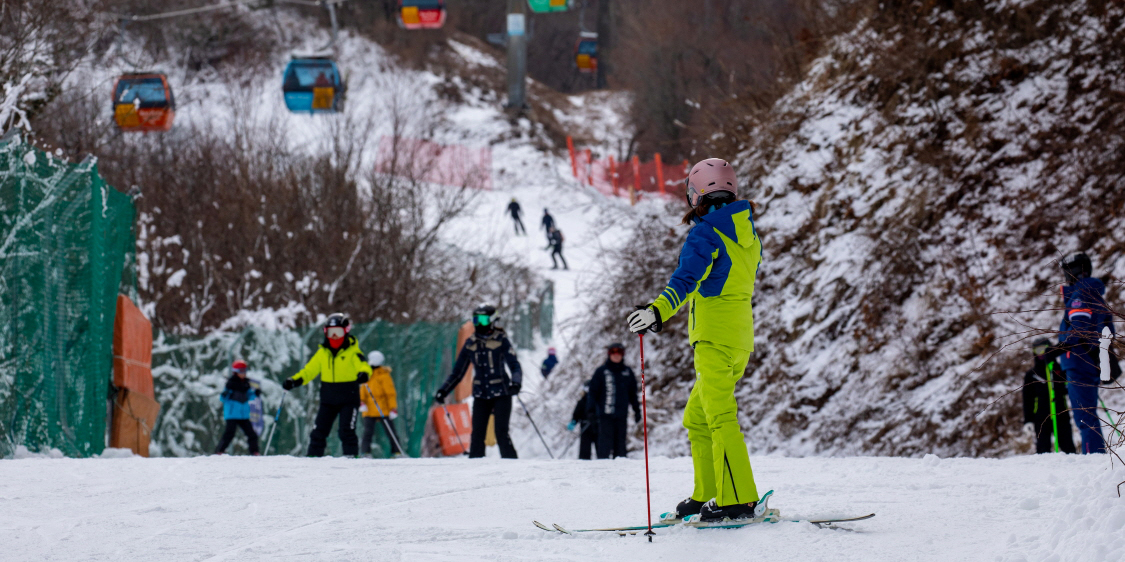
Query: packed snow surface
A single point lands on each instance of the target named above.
(1048, 507)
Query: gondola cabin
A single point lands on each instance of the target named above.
(143, 102)
(421, 14)
(547, 6)
(586, 52)
(313, 85)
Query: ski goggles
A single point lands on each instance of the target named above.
(335, 332)
(238, 369)
(482, 320)
(1040, 349)
(617, 351)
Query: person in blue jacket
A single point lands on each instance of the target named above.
(1085, 314)
(488, 350)
(236, 398)
(548, 363)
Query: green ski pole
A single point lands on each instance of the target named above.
(1051, 398)
(1110, 416)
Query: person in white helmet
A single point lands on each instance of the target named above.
(379, 405)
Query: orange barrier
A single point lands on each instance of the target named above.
(454, 438)
(134, 407)
(464, 389)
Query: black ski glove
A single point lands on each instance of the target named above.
(362, 378)
(290, 384)
(636, 417)
(440, 395)
(514, 389)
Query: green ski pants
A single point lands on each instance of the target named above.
(718, 449)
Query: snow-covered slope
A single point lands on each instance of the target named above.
(1047, 508)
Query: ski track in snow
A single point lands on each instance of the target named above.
(1048, 507)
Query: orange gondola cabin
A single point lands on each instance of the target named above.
(143, 102)
(421, 14)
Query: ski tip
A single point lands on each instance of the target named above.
(542, 526)
(560, 529)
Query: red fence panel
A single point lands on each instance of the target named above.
(444, 164)
(615, 178)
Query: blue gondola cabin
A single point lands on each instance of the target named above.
(586, 52)
(313, 85)
(143, 102)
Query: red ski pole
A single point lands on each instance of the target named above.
(644, 407)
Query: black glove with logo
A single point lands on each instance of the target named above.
(440, 395)
(290, 384)
(514, 389)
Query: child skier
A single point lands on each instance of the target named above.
(341, 367)
(1085, 314)
(715, 277)
(1037, 399)
(236, 398)
(380, 404)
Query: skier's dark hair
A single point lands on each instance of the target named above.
(719, 199)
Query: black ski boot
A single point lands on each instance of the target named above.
(683, 509)
(710, 512)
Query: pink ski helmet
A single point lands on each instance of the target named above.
(709, 176)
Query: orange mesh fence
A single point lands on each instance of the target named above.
(431, 162)
(615, 178)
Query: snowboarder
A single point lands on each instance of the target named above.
(1085, 314)
(554, 243)
(236, 398)
(1037, 409)
(379, 404)
(613, 389)
(715, 278)
(514, 210)
(586, 422)
(548, 363)
(342, 367)
(489, 350)
(547, 224)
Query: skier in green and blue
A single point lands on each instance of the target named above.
(715, 279)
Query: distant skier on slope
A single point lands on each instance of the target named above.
(586, 421)
(342, 367)
(547, 224)
(549, 363)
(613, 389)
(715, 278)
(379, 405)
(1085, 314)
(236, 398)
(515, 211)
(554, 243)
(489, 350)
(1037, 399)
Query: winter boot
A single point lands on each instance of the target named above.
(710, 512)
(683, 509)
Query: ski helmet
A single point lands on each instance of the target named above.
(239, 366)
(338, 320)
(1076, 267)
(484, 316)
(550, 351)
(713, 175)
(1040, 346)
(375, 359)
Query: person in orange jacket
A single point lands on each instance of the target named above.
(379, 405)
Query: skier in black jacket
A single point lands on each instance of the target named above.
(515, 211)
(586, 422)
(613, 388)
(489, 350)
(1037, 401)
(547, 224)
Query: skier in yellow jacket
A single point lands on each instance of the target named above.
(342, 367)
(715, 279)
(380, 405)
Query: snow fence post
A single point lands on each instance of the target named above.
(573, 161)
(589, 168)
(636, 180)
(613, 174)
(659, 173)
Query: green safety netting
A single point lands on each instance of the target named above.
(189, 373)
(65, 237)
